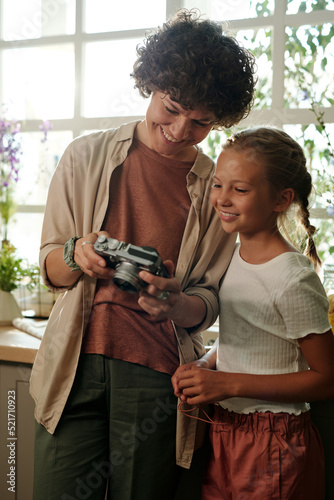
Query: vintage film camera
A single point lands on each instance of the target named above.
(128, 260)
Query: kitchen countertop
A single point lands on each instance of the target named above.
(21, 347)
(17, 346)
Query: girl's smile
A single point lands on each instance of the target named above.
(241, 195)
(228, 217)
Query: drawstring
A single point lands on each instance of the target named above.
(186, 411)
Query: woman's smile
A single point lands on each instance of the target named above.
(168, 137)
(173, 131)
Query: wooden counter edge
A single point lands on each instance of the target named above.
(17, 346)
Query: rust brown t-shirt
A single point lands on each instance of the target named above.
(148, 206)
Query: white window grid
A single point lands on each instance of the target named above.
(276, 115)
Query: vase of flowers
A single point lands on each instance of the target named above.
(9, 308)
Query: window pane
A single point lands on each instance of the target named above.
(212, 144)
(39, 82)
(222, 10)
(295, 6)
(324, 238)
(22, 19)
(24, 232)
(309, 58)
(37, 165)
(321, 166)
(104, 15)
(259, 43)
(319, 160)
(108, 88)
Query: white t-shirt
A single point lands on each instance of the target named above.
(264, 309)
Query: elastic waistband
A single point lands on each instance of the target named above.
(283, 423)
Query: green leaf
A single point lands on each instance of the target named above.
(323, 63)
(302, 7)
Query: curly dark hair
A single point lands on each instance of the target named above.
(199, 66)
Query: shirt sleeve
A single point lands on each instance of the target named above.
(58, 224)
(304, 305)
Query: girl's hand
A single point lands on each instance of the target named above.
(201, 386)
(200, 363)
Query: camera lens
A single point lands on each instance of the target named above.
(126, 277)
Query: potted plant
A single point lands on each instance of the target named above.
(13, 272)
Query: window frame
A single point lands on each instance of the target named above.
(276, 115)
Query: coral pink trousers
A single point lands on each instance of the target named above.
(264, 456)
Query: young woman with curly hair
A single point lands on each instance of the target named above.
(105, 409)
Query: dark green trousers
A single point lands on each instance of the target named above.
(116, 435)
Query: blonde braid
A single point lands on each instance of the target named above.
(310, 250)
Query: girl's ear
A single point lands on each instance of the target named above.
(284, 200)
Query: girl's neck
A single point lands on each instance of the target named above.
(263, 248)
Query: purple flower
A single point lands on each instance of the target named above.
(330, 210)
(45, 128)
(10, 152)
(304, 95)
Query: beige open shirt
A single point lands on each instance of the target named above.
(77, 203)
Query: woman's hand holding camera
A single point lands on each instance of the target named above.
(89, 261)
(161, 295)
(163, 298)
(62, 275)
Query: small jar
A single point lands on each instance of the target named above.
(329, 288)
